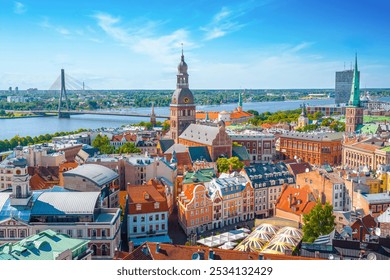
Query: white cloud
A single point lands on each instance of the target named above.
(224, 22)
(141, 38)
(19, 8)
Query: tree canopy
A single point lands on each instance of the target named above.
(319, 221)
(224, 164)
(128, 148)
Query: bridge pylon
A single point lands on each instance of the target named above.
(63, 93)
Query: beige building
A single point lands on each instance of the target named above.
(370, 152)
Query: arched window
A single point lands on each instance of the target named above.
(94, 250)
(104, 250)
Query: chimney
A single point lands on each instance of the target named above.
(131, 246)
(157, 247)
(211, 254)
(145, 250)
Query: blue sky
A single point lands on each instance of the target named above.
(127, 44)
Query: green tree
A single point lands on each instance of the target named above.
(107, 149)
(223, 165)
(128, 148)
(319, 221)
(235, 163)
(102, 143)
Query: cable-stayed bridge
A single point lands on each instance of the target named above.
(74, 84)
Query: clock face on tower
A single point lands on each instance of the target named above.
(186, 100)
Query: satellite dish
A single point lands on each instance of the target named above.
(378, 232)
(331, 257)
(371, 256)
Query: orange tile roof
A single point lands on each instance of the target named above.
(239, 115)
(214, 115)
(128, 137)
(181, 252)
(302, 200)
(202, 115)
(366, 147)
(137, 195)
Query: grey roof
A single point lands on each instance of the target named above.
(139, 160)
(241, 152)
(320, 136)
(200, 133)
(262, 174)
(165, 144)
(199, 153)
(229, 185)
(60, 203)
(98, 174)
(377, 197)
(178, 148)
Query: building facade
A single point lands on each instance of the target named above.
(315, 148)
(260, 146)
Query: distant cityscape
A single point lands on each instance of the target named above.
(300, 184)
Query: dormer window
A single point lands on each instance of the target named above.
(146, 195)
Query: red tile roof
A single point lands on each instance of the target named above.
(146, 196)
(296, 200)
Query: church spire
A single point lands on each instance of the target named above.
(354, 99)
(239, 108)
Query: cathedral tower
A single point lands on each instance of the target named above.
(182, 108)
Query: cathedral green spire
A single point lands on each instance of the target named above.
(240, 100)
(354, 100)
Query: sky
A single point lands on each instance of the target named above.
(126, 44)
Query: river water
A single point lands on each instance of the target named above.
(42, 125)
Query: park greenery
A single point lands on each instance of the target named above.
(225, 165)
(6, 145)
(102, 143)
(319, 221)
(289, 116)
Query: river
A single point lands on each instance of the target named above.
(42, 125)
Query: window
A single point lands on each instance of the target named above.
(162, 216)
(163, 227)
(12, 233)
(79, 233)
(94, 250)
(138, 207)
(156, 205)
(157, 228)
(150, 218)
(69, 232)
(2, 234)
(142, 228)
(104, 233)
(135, 229)
(156, 217)
(142, 218)
(94, 233)
(134, 219)
(104, 250)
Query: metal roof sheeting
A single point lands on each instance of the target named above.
(98, 174)
(61, 203)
